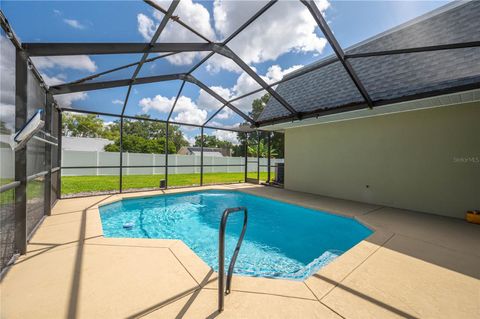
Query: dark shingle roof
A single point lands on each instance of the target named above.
(395, 76)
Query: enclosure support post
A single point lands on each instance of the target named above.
(201, 157)
(167, 137)
(59, 150)
(48, 154)
(21, 78)
(246, 155)
(121, 155)
(258, 156)
(269, 151)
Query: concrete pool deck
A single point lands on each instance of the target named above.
(414, 266)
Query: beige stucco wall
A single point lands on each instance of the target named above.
(426, 160)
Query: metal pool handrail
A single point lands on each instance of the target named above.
(221, 253)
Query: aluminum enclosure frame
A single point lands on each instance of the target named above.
(210, 47)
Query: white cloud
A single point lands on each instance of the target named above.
(224, 114)
(117, 101)
(241, 11)
(223, 125)
(276, 73)
(66, 100)
(186, 109)
(218, 62)
(63, 100)
(216, 124)
(146, 26)
(77, 62)
(158, 103)
(226, 136)
(193, 14)
(192, 116)
(286, 27)
(184, 104)
(245, 84)
(54, 80)
(196, 112)
(206, 101)
(74, 24)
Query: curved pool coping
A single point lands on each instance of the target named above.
(320, 283)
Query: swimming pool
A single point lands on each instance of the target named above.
(282, 240)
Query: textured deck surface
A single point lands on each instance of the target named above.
(414, 265)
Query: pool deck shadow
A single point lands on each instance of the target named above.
(413, 266)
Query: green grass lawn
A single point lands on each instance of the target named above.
(86, 184)
(34, 190)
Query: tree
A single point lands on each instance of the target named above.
(258, 105)
(79, 125)
(212, 141)
(262, 150)
(277, 139)
(176, 136)
(144, 136)
(277, 143)
(139, 136)
(138, 144)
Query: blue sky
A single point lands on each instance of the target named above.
(281, 40)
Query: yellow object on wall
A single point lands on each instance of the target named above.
(473, 216)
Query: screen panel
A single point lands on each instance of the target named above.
(90, 140)
(231, 15)
(109, 101)
(58, 70)
(183, 176)
(194, 105)
(170, 63)
(222, 157)
(35, 202)
(7, 155)
(153, 100)
(293, 40)
(184, 164)
(90, 181)
(145, 178)
(7, 226)
(7, 109)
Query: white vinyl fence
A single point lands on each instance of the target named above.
(92, 159)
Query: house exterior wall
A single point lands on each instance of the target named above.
(426, 160)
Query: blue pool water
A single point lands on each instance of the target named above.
(282, 240)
